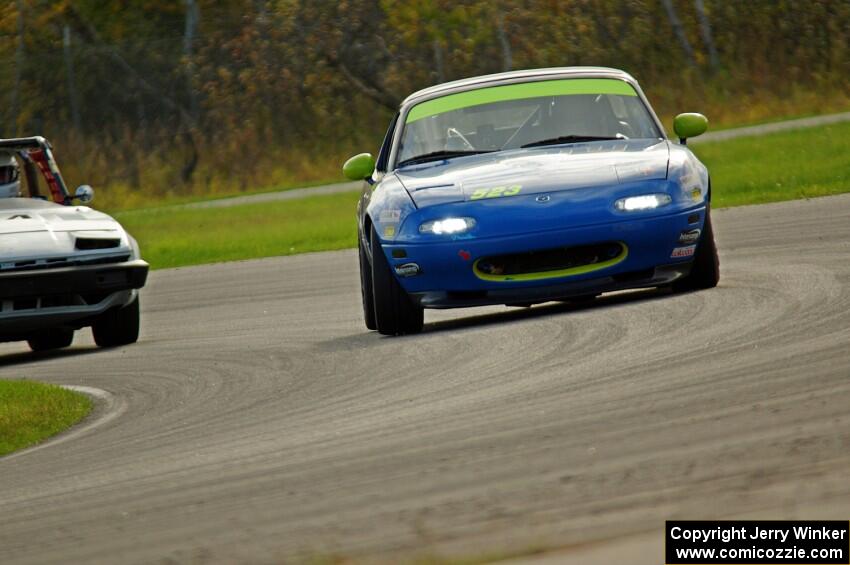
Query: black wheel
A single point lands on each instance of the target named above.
(51, 339)
(705, 272)
(395, 312)
(119, 326)
(366, 290)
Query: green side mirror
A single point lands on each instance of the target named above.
(689, 125)
(359, 167)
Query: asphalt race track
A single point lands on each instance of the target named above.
(257, 421)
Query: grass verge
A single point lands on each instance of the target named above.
(174, 237)
(121, 198)
(31, 412)
(781, 166)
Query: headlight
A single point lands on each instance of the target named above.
(645, 202)
(447, 226)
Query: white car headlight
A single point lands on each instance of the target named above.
(644, 202)
(447, 226)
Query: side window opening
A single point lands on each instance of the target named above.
(384, 154)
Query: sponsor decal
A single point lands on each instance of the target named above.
(543, 198)
(407, 270)
(689, 236)
(687, 251)
(496, 192)
(519, 91)
(464, 254)
(389, 231)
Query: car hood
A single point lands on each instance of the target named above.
(32, 228)
(536, 170)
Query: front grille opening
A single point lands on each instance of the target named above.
(59, 301)
(55, 262)
(88, 243)
(548, 260)
(36, 303)
(25, 304)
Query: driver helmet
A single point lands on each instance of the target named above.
(10, 179)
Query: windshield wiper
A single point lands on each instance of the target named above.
(567, 139)
(440, 155)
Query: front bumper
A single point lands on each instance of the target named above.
(446, 277)
(657, 276)
(83, 279)
(65, 297)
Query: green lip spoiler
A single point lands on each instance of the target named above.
(542, 275)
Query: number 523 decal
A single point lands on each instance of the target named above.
(495, 192)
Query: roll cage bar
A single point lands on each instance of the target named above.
(37, 154)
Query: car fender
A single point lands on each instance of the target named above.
(689, 173)
(389, 206)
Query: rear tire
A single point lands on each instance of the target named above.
(366, 289)
(51, 339)
(395, 312)
(116, 327)
(705, 271)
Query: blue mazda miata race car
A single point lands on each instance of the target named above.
(525, 187)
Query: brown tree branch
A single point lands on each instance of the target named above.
(376, 93)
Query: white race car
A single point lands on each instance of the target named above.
(62, 266)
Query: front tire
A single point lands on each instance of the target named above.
(705, 271)
(395, 312)
(116, 327)
(366, 290)
(48, 340)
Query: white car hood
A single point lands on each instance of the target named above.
(33, 229)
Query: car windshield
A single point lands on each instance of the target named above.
(524, 115)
